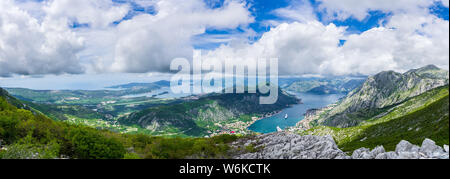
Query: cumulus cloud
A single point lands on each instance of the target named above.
(36, 37)
(359, 9)
(29, 46)
(98, 13)
(149, 42)
(411, 38)
(393, 48)
(300, 47)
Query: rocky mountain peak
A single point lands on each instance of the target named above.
(385, 89)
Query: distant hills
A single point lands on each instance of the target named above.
(208, 113)
(27, 134)
(154, 85)
(336, 85)
(58, 96)
(382, 110)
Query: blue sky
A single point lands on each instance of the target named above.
(262, 10)
(310, 37)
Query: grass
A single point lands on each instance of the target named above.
(430, 122)
(424, 116)
(33, 135)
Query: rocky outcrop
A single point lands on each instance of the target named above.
(284, 145)
(405, 150)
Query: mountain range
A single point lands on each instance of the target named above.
(209, 114)
(61, 96)
(320, 86)
(382, 91)
(385, 110)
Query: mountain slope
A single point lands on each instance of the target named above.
(62, 96)
(11, 100)
(32, 135)
(325, 85)
(28, 135)
(382, 91)
(212, 112)
(423, 116)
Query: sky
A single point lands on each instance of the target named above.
(76, 40)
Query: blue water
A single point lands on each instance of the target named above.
(167, 95)
(295, 113)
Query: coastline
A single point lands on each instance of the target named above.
(314, 114)
(271, 114)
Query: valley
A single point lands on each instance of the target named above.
(224, 79)
(383, 110)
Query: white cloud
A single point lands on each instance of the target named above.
(343, 9)
(35, 37)
(30, 47)
(409, 39)
(300, 47)
(300, 11)
(98, 13)
(149, 42)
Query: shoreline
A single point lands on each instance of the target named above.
(272, 114)
(304, 124)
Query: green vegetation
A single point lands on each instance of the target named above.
(25, 134)
(60, 112)
(98, 109)
(65, 96)
(103, 125)
(179, 148)
(381, 92)
(431, 122)
(34, 132)
(210, 115)
(424, 116)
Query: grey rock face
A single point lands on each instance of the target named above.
(405, 146)
(378, 150)
(282, 145)
(362, 153)
(387, 155)
(385, 89)
(430, 148)
(408, 155)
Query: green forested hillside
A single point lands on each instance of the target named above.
(209, 113)
(64, 96)
(381, 92)
(424, 116)
(24, 134)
